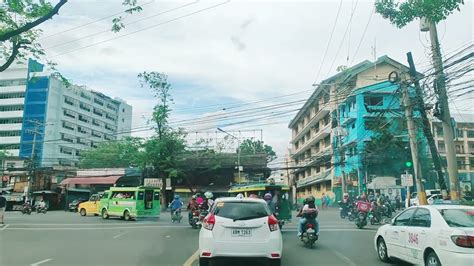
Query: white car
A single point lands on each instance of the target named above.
(240, 227)
(430, 199)
(429, 235)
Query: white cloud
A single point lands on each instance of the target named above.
(243, 50)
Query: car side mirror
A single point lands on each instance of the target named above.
(392, 222)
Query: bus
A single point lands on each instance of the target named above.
(130, 203)
(280, 194)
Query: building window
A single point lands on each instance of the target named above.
(461, 164)
(12, 95)
(110, 117)
(10, 133)
(83, 119)
(111, 107)
(69, 126)
(67, 138)
(470, 134)
(12, 82)
(69, 113)
(99, 102)
(96, 134)
(471, 147)
(9, 146)
(439, 131)
(98, 112)
(109, 127)
(65, 150)
(373, 100)
(327, 141)
(85, 96)
(85, 107)
(69, 101)
(10, 108)
(460, 148)
(11, 121)
(326, 120)
(441, 146)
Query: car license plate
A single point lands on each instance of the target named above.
(241, 232)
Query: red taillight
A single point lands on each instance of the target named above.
(275, 255)
(463, 241)
(209, 221)
(310, 226)
(272, 223)
(196, 213)
(206, 254)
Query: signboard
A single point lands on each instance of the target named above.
(407, 180)
(152, 182)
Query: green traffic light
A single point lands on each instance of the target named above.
(408, 164)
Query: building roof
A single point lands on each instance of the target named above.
(97, 180)
(343, 76)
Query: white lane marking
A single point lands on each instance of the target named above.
(4, 227)
(191, 259)
(40, 262)
(168, 236)
(119, 235)
(92, 228)
(344, 258)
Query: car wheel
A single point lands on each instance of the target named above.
(126, 216)
(432, 259)
(83, 212)
(105, 214)
(275, 262)
(204, 261)
(382, 250)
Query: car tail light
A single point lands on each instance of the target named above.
(272, 223)
(310, 226)
(463, 241)
(275, 255)
(209, 221)
(206, 254)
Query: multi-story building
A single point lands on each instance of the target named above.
(464, 144)
(60, 120)
(312, 127)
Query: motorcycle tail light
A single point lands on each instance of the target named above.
(196, 213)
(209, 222)
(310, 226)
(272, 223)
(463, 241)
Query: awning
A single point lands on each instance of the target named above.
(322, 177)
(96, 180)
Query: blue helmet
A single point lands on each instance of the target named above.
(176, 197)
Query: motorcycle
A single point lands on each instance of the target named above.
(363, 209)
(352, 213)
(194, 221)
(310, 235)
(40, 209)
(344, 209)
(176, 217)
(26, 209)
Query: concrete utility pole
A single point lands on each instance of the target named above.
(427, 126)
(32, 174)
(445, 115)
(413, 143)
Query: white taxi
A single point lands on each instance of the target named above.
(240, 227)
(429, 235)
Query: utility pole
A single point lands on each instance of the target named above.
(427, 126)
(413, 142)
(445, 115)
(32, 174)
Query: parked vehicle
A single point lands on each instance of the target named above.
(73, 206)
(280, 197)
(130, 202)
(237, 227)
(429, 235)
(309, 236)
(90, 207)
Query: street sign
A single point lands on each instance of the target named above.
(407, 180)
(152, 182)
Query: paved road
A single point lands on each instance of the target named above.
(60, 238)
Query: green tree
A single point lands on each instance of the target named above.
(19, 21)
(114, 154)
(250, 146)
(165, 150)
(400, 14)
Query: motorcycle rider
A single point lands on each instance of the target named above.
(176, 204)
(268, 198)
(192, 206)
(345, 203)
(209, 201)
(308, 214)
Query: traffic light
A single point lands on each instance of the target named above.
(408, 164)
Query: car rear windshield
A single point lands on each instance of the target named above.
(458, 217)
(241, 210)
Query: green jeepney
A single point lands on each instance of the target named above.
(130, 202)
(279, 193)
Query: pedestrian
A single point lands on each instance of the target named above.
(397, 201)
(323, 201)
(3, 205)
(328, 201)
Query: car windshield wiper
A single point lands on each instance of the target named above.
(248, 217)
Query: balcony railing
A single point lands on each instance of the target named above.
(317, 117)
(325, 131)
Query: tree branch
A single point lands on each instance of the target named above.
(28, 26)
(15, 51)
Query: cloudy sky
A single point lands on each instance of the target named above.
(243, 65)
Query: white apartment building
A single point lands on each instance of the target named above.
(65, 120)
(313, 126)
(464, 144)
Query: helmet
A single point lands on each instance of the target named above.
(267, 196)
(310, 199)
(253, 196)
(208, 195)
(346, 195)
(176, 197)
(194, 197)
(240, 196)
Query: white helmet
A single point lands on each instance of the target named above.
(240, 196)
(208, 195)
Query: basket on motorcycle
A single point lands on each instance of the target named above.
(363, 206)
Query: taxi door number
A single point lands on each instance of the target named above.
(413, 238)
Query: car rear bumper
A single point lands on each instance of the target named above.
(455, 258)
(250, 248)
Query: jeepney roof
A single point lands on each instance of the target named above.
(132, 188)
(258, 187)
